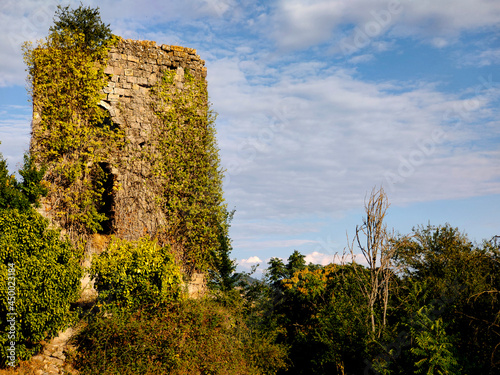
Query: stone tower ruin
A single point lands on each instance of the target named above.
(130, 202)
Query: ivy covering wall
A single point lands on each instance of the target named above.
(71, 132)
(186, 160)
(145, 119)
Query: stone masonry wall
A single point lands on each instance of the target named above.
(133, 68)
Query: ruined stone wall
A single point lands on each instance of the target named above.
(133, 68)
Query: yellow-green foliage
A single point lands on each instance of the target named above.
(136, 273)
(47, 280)
(71, 134)
(189, 337)
(189, 167)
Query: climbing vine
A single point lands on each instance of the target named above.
(72, 134)
(188, 169)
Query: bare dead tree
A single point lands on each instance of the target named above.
(372, 239)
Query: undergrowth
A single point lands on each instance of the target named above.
(187, 337)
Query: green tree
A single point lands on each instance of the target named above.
(319, 314)
(187, 337)
(460, 283)
(47, 277)
(82, 20)
(10, 195)
(222, 276)
(21, 195)
(278, 270)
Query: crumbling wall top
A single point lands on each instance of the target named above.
(138, 53)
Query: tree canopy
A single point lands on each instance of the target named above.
(84, 20)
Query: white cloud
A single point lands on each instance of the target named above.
(251, 260)
(439, 42)
(298, 24)
(358, 258)
(29, 20)
(247, 264)
(20, 21)
(319, 258)
(316, 143)
(361, 58)
(325, 259)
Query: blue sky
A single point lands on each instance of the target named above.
(319, 101)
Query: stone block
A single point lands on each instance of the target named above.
(177, 48)
(113, 97)
(152, 79)
(119, 91)
(142, 81)
(132, 58)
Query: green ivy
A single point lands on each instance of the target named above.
(72, 134)
(189, 169)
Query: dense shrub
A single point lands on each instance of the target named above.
(46, 273)
(132, 273)
(189, 337)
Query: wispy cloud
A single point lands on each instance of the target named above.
(299, 24)
(290, 157)
(484, 58)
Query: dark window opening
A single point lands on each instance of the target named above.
(108, 198)
(107, 121)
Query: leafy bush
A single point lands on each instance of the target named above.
(46, 273)
(133, 273)
(189, 337)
